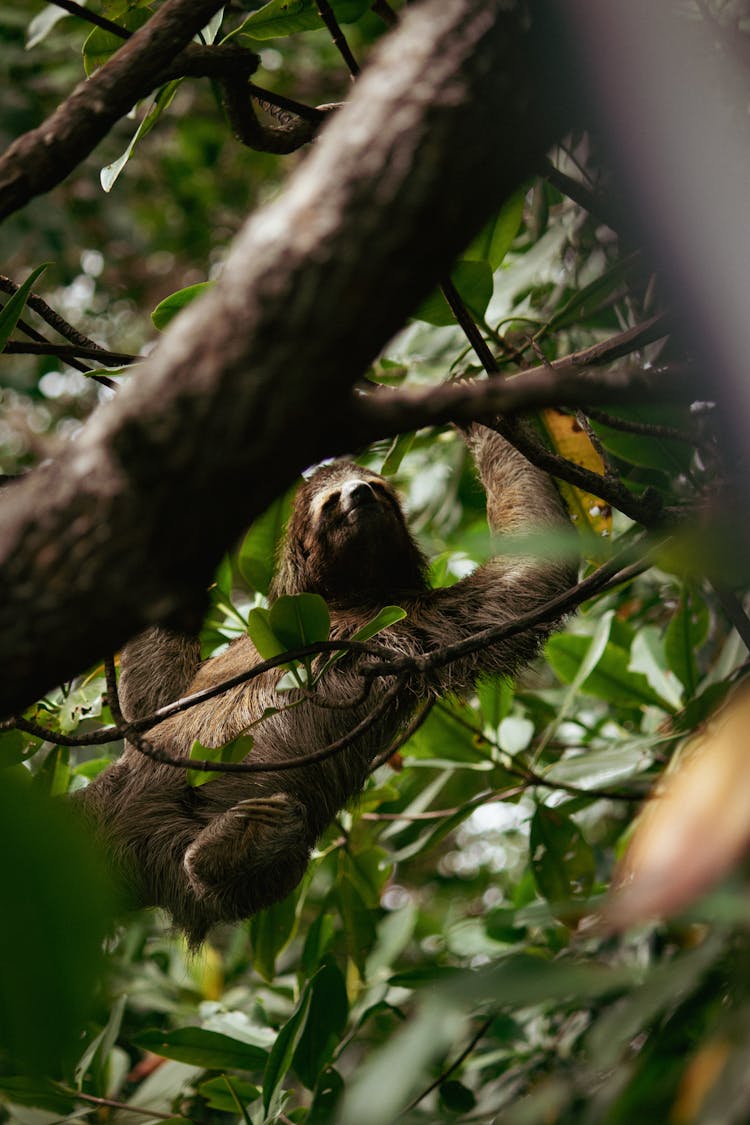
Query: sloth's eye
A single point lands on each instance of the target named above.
(331, 501)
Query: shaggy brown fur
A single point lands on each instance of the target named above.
(227, 849)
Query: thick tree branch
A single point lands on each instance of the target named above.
(127, 526)
(45, 156)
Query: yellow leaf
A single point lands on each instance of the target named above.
(570, 441)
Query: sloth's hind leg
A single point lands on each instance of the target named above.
(250, 856)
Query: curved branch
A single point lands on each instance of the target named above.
(401, 178)
(46, 155)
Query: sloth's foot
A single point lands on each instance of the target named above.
(251, 855)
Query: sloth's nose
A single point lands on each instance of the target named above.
(357, 493)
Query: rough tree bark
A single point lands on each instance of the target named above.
(250, 383)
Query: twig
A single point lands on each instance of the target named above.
(383, 9)
(647, 429)
(590, 201)
(734, 610)
(110, 1103)
(281, 139)
(92, 17)
(50, 315)
(325, 11)
(72, 351)
(412, 727)
(610, 574)
(483, 1028)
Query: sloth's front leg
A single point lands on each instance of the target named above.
(250, 856)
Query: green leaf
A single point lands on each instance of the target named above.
(282, 1052)
(167, 309)
(57, 907)
(100, 45)
(299, 619)
(456, 1097)
(222, 1094)
(255, 559)
(400, 446)
(271, 930)
(473, 280)
(562, 861)
(685, 634)
(10, 314)
(494, 242)
(327, 1096)
(287, 17)
(235, 751)
(39, 1092)
(13, 745)
(329, 1009)
(163, 99)
(610, 680)
(359, 924)
(262, 635)
(207, 1049)
(319, 937)
(495, 698)
(388, 616)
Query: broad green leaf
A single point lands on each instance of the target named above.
(262, 635)
(271, 930)
(13, 746)
(473, 280)
(57, 908)
(235, 751)
(287, 17)
(207, 1049)
(456, 1097)
(42, 1093)
(685, 634)
(387, 616)
(329, 1009)
(647, 655)
(587, 301)
(255, 558)
(11, 311)
(400, 446)
(327, 1096)
(494, 242)
(163, 99)
(650, 451)
(319, 938)
(611, 680)
(228, 1095)
(495, 699)
(359, 925)
(299, 619)
(282, 1052)
(562, 861)
(167, 309)
(100, 45)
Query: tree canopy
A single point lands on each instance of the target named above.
(240, 239)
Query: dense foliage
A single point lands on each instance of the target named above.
(452, 954)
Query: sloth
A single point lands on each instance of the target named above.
(224, 850)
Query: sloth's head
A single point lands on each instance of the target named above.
(347, 539)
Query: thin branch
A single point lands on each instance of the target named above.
(734, 610)
(383, 9)
(483, 1028)
(610, 574)
(44, 156)
(645, 509)
(326, 13)
(299, 762)
(411, 728)
(576, 190)
(50, 315)
(92, 17)
(70, 352)
(647, 429)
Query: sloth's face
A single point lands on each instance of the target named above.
(348, 538)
